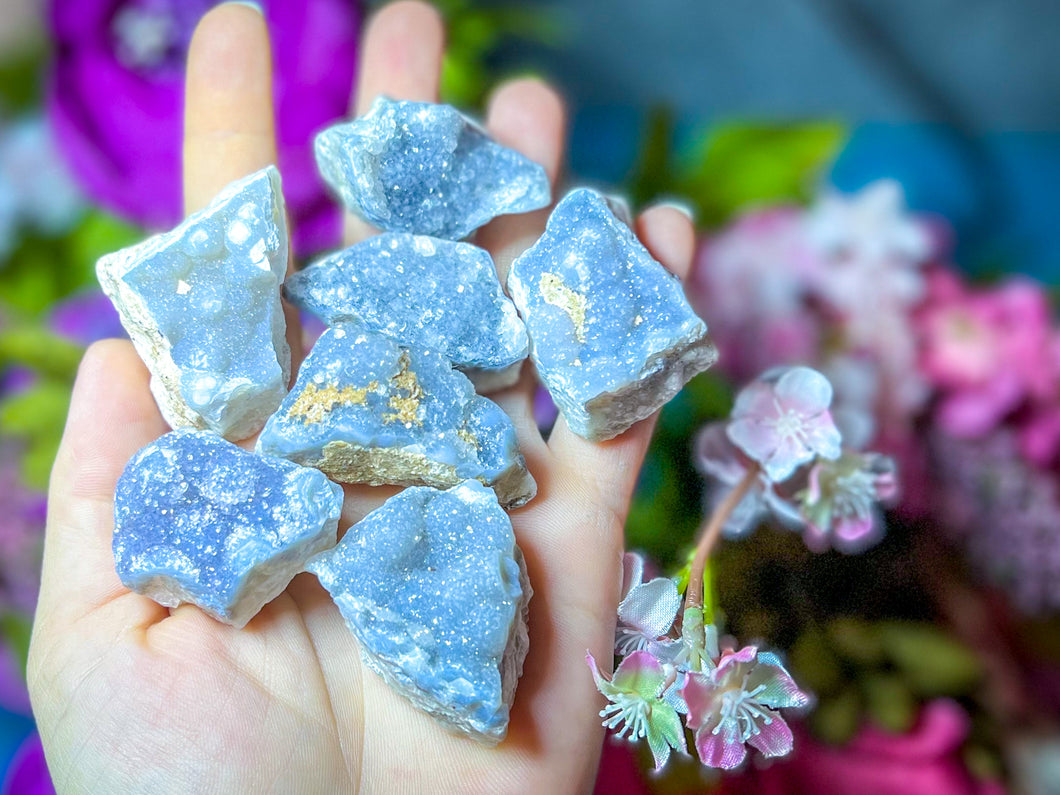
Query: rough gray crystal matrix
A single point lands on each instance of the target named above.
(367, 410)
(425, 292)
(425, 168)
(202, 306)
(435, 589)
(611, 332)
(200, 520)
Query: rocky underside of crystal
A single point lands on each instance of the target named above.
(427, 169)
(435, 589)
(367, 410)
(199, 520)
(202, 306)
(425, 292)
(612, 335)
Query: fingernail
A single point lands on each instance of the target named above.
(682, 207)
(248, 3)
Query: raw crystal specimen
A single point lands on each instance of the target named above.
(424, 168)
(202, 305)
(435, 589)
(366, 410)
(611, 332)
(200, 520)
(425, 292)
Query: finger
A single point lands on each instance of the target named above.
(401, 58)
(112, 415)
(528, 116)
(229, 131)
(612, 466)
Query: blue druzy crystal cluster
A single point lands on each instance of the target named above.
(432, 583)
(423, 291)
(404, 578)
(614, 337)
(200, 520)
(428, 169)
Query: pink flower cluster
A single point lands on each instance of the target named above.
(729, 697)
(860, 289)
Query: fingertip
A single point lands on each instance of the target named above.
(666, 230)
(402, 55)
(228, 114)
(530, 116)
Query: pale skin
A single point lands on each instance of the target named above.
(133, 697)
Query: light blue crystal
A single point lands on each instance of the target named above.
(366, 410)
(425, 168)
(425, 292)
(434, 587)
(611, 333)
(202, 305)
(200, 520)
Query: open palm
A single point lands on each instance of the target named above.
(134, 697)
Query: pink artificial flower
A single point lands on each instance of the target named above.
(717, 458)
(647, 609)
(840, 503)
(988, 351)
(781, 420)
(870, 225)
(736, 705)
(750, 281)
(924, 761)
(638, 707)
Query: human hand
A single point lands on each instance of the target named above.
(134, 697)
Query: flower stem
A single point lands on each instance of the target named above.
(694, 593)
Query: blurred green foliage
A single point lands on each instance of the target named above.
(474, 32)
(735, 165)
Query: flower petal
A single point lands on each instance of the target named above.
(773, 738)
(724, 749)
(664, 732)
(632, 571)
(781, 690)
(651, 608)
(639, 673)
(804, 389)
(699, 694)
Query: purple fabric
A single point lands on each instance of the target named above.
(118, 123)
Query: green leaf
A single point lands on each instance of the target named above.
(737, 165)
(33, 346)
(15, 630)
(815, 665)
(100, 233)
(932, 663)
(39, 409)
(20, 79)
(889, 702)
(835, 720)
(857, 640)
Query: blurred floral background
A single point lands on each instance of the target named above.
(875, 187)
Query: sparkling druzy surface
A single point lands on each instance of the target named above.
(434, 587)
(612, 335)
(425, 168)
(200, 520)
(423, 291)
(367, 410)
(202, 305)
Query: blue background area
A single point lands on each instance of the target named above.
(13, 730)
